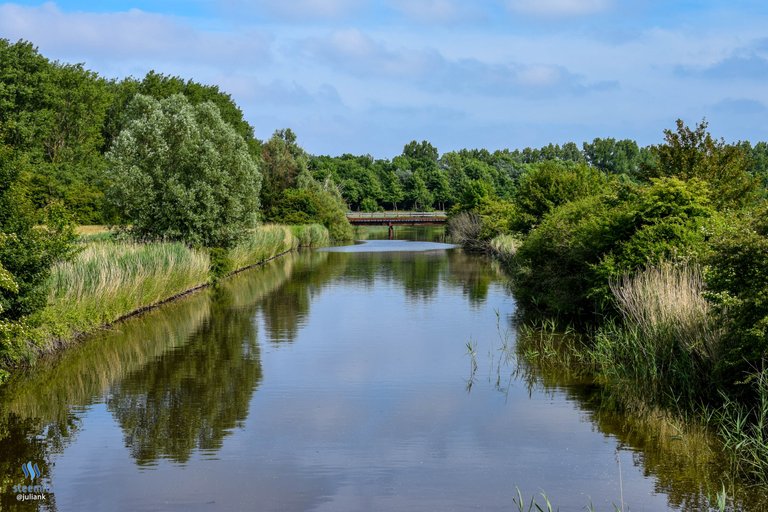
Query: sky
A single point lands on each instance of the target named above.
(368, 76)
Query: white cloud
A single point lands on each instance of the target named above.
(557, 8)
(428, 70)
(129, 36)
(295, 9)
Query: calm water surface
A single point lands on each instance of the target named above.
(337, 380)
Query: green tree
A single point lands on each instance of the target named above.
(549, 184)
(53, 114)
(179, 172)
(613, 156)
(282, 162)
(313, 203)
(738, 282)
(565, 264)
(693, 153)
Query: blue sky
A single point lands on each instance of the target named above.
(367, 76)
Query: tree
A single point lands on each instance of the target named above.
(422, 151)
(551, 183)
(53, 115)
(179, 172)
(282, 162)
(689, 153)
(612, 156)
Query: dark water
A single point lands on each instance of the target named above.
(339, 381)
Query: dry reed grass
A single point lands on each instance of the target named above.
(667, 301)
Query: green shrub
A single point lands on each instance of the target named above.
(549, 184)
(312, 205)
(566, 263)
(554, 268)
(738, 283)
(370, 205)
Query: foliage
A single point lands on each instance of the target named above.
(738, 283)
(313, 204)
(179, 172)
(613, 156)
(32, 241)
(566, 263)
(549, 184)
(554, 268)
(693, 153)
(283, 160)
(52, 116)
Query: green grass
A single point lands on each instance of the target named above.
(744, 430)
(311, 235)
(260, 245)
(107, 281)
(270, 240)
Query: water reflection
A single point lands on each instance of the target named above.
(192, 396)
(685, 461)
(335, 381)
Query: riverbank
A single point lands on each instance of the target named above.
(110, 280)
(658, 356)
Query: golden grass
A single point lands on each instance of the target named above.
(667, 301)
(505, 247)
(92, 229)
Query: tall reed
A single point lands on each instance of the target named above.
(311, 235)
(744, 430)
(270, 240)
(666, 302)
(505, 247)
(261, 244)
(669, 342)
(107, 281)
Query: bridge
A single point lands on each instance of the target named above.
(387, 218)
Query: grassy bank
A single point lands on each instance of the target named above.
(662, 354)
(111, 279)
(108, 280)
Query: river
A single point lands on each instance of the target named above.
(375, 376)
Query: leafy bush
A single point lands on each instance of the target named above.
(554, 268)
(693, 154)
(312, 205)
(566, 263)
(180, 173)
(738, 283)
(370, 205)
(547, 185)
